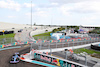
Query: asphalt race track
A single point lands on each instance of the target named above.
(5, 57)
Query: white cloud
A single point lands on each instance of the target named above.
(11, 16)
(29, 5)
(90, 19)
(54, 3)
(38, 13)
(42, 13)
(69, 1)
(9, 4)
(81, 7)
(65, 10)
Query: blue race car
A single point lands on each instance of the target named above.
(15, 58)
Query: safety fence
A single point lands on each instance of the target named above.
(6, 40)
(44, 44)
(50, 41)
(66, 40)
(13, 44)
(46, 37)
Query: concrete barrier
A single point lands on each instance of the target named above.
(10, 48)
(39, 31)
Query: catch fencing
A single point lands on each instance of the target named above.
(6, 40)
(44, 44)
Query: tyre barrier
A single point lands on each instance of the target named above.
(95, 47)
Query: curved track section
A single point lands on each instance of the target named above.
(39, 31)
(24, 36)
(5, 57)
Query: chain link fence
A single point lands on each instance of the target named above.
(56, 44)
(6, 40)
(42, 37)
(63, 43)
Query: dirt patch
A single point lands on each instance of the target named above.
(95, 55)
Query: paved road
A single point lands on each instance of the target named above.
(24, 36)
(5, 56)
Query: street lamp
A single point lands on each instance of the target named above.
(31, 14)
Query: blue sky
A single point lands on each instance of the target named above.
(56, 12)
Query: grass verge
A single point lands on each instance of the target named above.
(89, 51)
(43, 36)
(7, 36)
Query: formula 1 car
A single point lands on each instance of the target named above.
(15, 58)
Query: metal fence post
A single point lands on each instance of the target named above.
(31, 46)
(50, 51)
(49, 46)
(73, 45)
(68, 44)
(40, 45)
(3, 40)
(11, 40)
(82, 41)
(56, 44)
(62, 44)
(85, 60)
(66, 55)
(85, 41)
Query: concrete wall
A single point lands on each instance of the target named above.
(39, 31)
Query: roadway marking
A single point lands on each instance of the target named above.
(44, 64)
(26, 45)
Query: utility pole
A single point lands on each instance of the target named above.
(31, 14)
